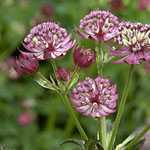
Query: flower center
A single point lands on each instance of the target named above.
(95, 98)
(50, 47)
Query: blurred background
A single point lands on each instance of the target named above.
(33, 118)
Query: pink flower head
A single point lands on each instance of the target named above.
(95, 97)
(62, 74)
(144, 4)
(99, 25)
(83, 57)
(135, 41)
(25, 118)
(26, 64)
(48, 40)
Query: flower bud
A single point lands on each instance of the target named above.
(62, 74)
(116, 5)
(25, 118)
(26, 64)
(47, 10)
(83, 57)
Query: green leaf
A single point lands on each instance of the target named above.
(74, 80)
(134, 138)
(42, 81)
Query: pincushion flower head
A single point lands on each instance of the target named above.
(83, 57)
(26, 64)
(48, 40)
(95, 97)
(134, 39)
(99, 25)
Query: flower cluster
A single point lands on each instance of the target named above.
(135, 41)
(45, 41)
(99, 25)
(95, 97)
(48, 40)
(91, 97)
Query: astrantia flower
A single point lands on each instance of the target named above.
(99, 25)
(83, 57)
(26, 63)
(62, 74)
(48, 40)
(135, 41)
(95, 97)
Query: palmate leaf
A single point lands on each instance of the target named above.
(42, 81)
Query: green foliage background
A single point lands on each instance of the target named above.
(51, 126)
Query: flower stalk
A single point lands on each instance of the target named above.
(102, 120)
(72, 113)
(68, 105)
(120, 109)
(103, 132)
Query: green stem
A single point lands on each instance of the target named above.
(102, 126)
(103, 132)
(72, 77)
(72, 113)
(98, 64)
(69, 126)
(67, 103)
(54, 67)
(136, 139)
(120, 109)
(70, 123)
(51, 120)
